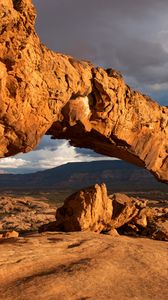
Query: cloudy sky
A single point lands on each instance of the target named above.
(128, 35)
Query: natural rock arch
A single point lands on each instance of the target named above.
(42, 92)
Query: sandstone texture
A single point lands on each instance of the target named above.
(24, 214)
(91, 209)
(126, 209)
(10, 234)
(82, 265)
(42, 92)
(88, 209)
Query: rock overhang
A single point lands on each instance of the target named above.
(42, 92)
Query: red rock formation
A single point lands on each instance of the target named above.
(91, 209)
(127, 209)
(45, 92)
(88, 209)
(9, 234)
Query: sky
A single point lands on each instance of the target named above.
(128, 35)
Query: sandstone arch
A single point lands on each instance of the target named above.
(42, 92)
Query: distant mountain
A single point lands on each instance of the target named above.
(118, 175)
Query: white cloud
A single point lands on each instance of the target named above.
(11, 162)
(49, 157)
(55, 156)
(63, 154)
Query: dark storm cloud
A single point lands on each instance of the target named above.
(144, 60)
(129, 35)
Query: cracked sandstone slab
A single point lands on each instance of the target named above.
(42, 92)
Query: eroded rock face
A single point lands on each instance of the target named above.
(126, 209)
(88, 209)
(91, 209)
(35, 83)
(46, 92)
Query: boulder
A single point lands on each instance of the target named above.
(125, 209)
(140, 219)
(157, 223)
(10, 234)
(91, 209)
(88, 209)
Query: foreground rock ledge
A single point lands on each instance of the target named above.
(82, 266)
(42, 92)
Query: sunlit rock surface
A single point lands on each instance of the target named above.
(42, 92)
(24, 214)
(82, 265)
(91, 209)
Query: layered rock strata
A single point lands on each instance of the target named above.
(42, 92)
